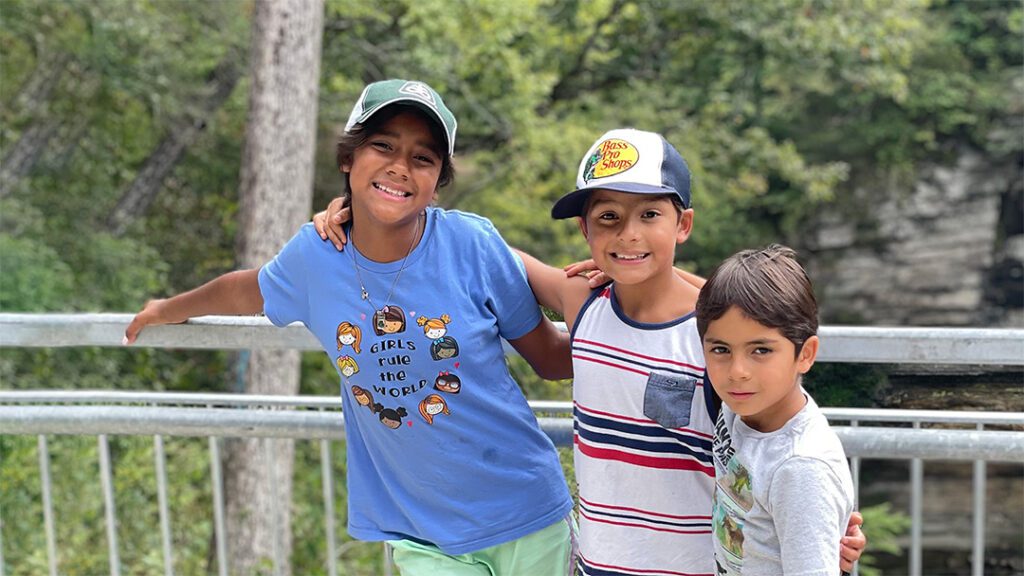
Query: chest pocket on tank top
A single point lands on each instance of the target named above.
(667, 399)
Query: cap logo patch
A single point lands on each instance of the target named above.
(611, 157)
(419, 90)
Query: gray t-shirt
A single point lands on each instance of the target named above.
(782, 499)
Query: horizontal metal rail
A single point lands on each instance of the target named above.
(951, 346)
(926, 435)
(859, 441)
(545, 407)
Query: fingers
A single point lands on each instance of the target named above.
(580, 268)
(852, 545)
(598, 278)
(336, 227)
(856, 519)
(336, 238)
(150, 314)
(855, 541)
(323, 220)
(846, 565)
(848, 557)
(131, 333)
(320, 223)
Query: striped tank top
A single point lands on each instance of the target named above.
(643, 433)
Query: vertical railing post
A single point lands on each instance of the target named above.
(44, 474)
(220, 534)
(1, 539)
(855, 473)
(107, 481)
(275, 504)
(978, 533)
(327, 477)
(387, 560)
(161, 495)
(916, 483)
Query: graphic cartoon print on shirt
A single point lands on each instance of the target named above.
(389, 320)
(432, 406)
(448, 382)
(732, 499)
(364, 398)
(392, 417)
(347, 366)
(442, 346)
(395, 376)
(349, 335)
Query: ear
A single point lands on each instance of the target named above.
(582, 223)
(346, 166)
(685, 225)
(808, 353)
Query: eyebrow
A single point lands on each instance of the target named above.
(641, 202)
(751, 342)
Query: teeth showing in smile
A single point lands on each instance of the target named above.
(391, 191)
(631, 257)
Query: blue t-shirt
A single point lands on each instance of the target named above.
(442, 446)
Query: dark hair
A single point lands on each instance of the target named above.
(769, 286)
(360, 133)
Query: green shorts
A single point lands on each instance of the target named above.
(547, 552)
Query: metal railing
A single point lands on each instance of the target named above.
(215, 416)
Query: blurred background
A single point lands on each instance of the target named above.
(882, 139)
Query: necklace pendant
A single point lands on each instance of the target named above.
(365, 294)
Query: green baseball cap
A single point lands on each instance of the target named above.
(379, 95)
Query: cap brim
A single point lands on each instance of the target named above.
(571, 205)
(419, 104)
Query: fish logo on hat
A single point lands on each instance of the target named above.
(610, 157)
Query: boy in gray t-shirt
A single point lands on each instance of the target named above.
(783, 488)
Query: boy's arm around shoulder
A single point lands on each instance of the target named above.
(546, 348)
(810, 508)
(234, 293)
(555, 290)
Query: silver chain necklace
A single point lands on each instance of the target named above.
(363, 293)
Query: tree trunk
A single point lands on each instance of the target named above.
(150, 178)
(20, 159)
(33, 99)
(276, 195)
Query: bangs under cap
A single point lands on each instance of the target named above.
(627, 160)
(379, 95)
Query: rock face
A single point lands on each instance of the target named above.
(945, 250)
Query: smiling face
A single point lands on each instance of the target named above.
(394, 174)
(632, 237)
(756, 370)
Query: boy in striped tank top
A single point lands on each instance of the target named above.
(644, 410)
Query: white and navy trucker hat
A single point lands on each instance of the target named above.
(627, 160)
(379, 95)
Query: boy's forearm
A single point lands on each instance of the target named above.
(545, 281)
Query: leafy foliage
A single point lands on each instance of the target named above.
(777, 106)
